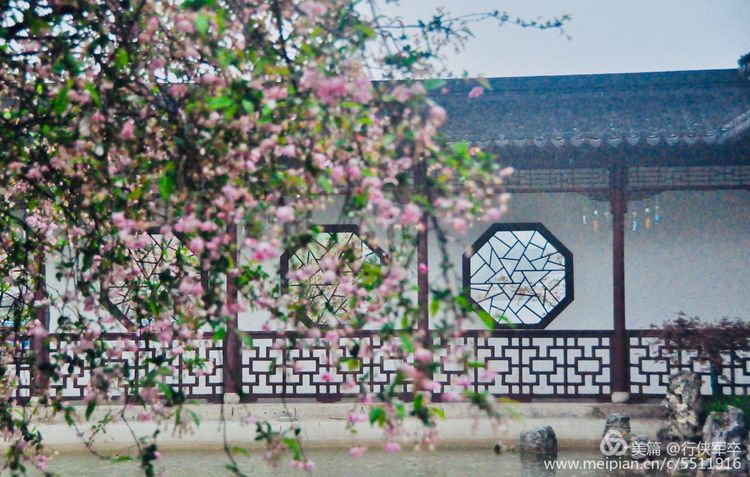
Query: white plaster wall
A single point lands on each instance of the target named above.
(697, 260)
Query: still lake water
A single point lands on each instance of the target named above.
(337, 463)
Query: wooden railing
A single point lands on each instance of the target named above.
(525, 365)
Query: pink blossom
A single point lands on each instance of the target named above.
(309, 465)
(487, 375)
(34, 173)
(38, 330)
(422, 268)
(326, 376)
(401, 93)
(313, 9)
(264, 251)
(354, 172)
(476, 91)
(438, 115)
(411, 214)
(285, 214)
(184, 25)
(357, 451)
(196, 245)
(361, 90)
(177, 91)
(459, 225)
(128, 130)
(493, 213)
(391, 446)
(423, 355)
(337, 174)
(232, 193)
(190, 287)
(356, 417)
(41, 462)
(149, 394)
(451, 396)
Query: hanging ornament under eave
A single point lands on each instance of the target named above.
(635, 221)
(647, 218)
(595, 221)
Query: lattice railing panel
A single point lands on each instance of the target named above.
(543, 364)
(19, 374)
(524, 364)
(313, 368)
(652, 366)
(205, 383)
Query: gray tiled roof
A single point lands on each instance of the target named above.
(686, 107)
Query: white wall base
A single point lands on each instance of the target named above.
(620, 397)
(231, 398)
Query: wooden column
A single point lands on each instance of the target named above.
(40, 381)
(620, 357)
(232, 348)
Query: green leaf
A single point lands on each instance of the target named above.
(352, 364)
(248, 105)
(325, 183)
(406, 342)
(220, 333)
(487, 319)
(240, 451)
(293, 446)
(219, 102)
(60, 103)
(439, 412)
(166, 185)
(377, 414)
(247, 340)
(434, 307)
(121, 58)
(90, 409)
(201, 24)
(433, 84)
(121, 458)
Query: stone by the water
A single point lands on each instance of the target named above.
(684, 407)
(618, 422)
(727, 427)
(540, 441)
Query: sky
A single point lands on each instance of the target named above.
(606, 36)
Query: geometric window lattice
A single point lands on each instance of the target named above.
(325, 301)
(159, 256)
(12, 298)
(520, 274)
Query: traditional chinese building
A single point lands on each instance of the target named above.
(630, 204)
(642, 181)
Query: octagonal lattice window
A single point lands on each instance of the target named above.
(12, 298)
(520, 274)
(157, 257)
(326, 304)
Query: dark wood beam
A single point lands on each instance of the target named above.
(423, 283)
(39, 380)
(232, 349)
(620, 365)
